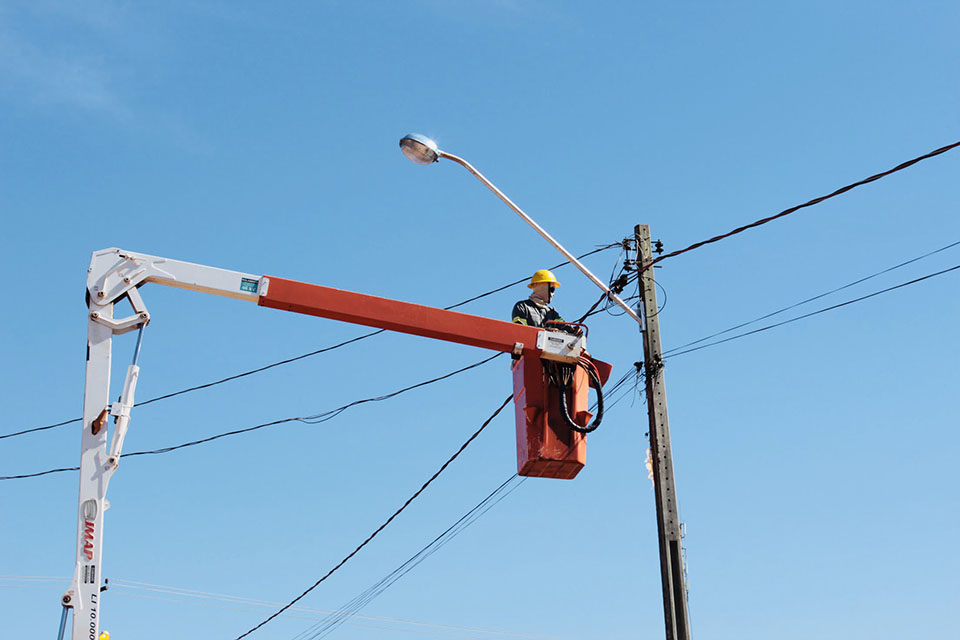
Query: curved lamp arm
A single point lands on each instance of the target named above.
(423, 150)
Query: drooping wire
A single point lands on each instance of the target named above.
(616, 284)
(630, 390)
(809, 203)
(409, 500)
(35, 429)
(327, 415)
(818, 311)
(451, 532)
(637, 374)
(670, 353)
(387, 522)
(522, 280)
(352, 608)
(816, 297)
(128, 588)
(663, 305)
(258, 369)
(340, 616)
(212, 384)
(304, 355)
(41, 473)
(311, 419)
(620, 265)
(336, 618)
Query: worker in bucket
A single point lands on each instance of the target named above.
(536, 311)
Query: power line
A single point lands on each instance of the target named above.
(639, 376)
(816, 297)
(258, 370)
(617, 283)
(334, 620)
(211, 384)
(322, 417)
(631, 390)
(327, 415)
(381, 623)
(522, 280)
(388, 520)
(35, 429)
(302, 356)
(208, 599)
(311, 419)
(813, 313)
(809, 203)
(352, 608)
(41, 473)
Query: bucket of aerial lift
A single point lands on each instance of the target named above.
(546, 445)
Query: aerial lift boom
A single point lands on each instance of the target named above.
(551, 422)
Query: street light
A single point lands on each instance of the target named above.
(419, 149)
(422, 150)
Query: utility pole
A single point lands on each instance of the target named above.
(668, 521)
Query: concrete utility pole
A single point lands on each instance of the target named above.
(668, 520)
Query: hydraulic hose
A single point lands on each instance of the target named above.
(562, 377)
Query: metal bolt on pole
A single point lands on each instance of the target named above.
(668, 520)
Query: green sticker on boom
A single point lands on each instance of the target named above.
(250, 285)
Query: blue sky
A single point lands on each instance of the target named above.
(815, 462)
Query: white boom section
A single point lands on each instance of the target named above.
(84, 593)
(113, 275)
(113, 272)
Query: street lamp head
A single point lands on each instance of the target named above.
(419, 149)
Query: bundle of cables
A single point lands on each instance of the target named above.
(561, 376)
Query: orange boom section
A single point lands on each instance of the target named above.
(546, 446)
(405, 317)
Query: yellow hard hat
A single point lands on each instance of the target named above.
(544, 275)
(105, 635)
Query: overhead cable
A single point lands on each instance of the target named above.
(639, 377)
(311, 419)
(336, 618)
(409, 500)
(304, 355)
(40, 473)
(352, 608)
(210, 599)
(813, 313)
(809, 203)
(617, 283)
(309, 613)
(816, 297)
(522, 280)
